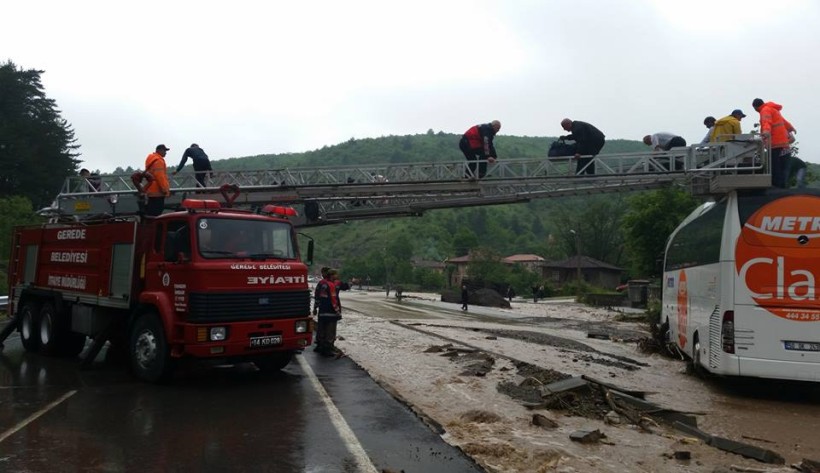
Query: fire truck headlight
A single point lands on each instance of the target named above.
(218, 334)
(301, 326)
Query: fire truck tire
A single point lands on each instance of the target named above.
(50, 330)
(148, 349)
(28, 326)
(273, 361)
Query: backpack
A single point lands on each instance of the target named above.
(561, 148)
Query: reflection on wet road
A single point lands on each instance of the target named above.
(55, 417)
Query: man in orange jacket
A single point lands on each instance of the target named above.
(158, 189)
(776, 133)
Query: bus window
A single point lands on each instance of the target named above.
(698, 243)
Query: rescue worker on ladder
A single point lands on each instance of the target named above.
(477, 146)
(158, 188)
(777, 133)
(329, 310)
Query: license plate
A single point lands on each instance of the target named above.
(268, 341)
(802, 346)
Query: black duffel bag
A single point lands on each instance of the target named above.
(561, 148)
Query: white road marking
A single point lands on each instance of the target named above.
(37, 414)
(355, 448)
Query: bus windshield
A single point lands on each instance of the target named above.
(226, 238)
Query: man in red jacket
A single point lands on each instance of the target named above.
(776, 132)
(477, 146)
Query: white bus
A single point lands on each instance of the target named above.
(739, 291)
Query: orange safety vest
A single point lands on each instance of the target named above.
(159, 187)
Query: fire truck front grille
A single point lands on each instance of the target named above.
(216, 307)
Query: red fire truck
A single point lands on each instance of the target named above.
(203, 282)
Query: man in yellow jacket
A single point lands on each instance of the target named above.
(159, 188)
(728, 125)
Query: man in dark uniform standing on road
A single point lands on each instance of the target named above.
(589, 141)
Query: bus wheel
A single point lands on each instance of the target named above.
(28, 326)
(273, 361)
(697, 368)
(148, 349)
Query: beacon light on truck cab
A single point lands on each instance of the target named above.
(279, 211)
(200, 204)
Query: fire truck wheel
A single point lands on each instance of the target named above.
(50, 330)
(148, 349)
(273, 361)
(28, 326)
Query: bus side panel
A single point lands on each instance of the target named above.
(777, 310)
(690, 296)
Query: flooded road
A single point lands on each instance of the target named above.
(318, 415)
(773, 415)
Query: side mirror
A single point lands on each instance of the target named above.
(309, 260)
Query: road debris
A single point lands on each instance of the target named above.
(587, 436)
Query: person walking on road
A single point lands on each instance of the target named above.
(158, 188)
(202, 165)
(477, 146)
(465, 296)
(777, 134)
(589, 141)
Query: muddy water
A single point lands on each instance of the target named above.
(782, 417)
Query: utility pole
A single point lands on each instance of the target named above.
(577, 260)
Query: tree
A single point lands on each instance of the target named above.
(13, 211)
(37, 146)
(650, 219)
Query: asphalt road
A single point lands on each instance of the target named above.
(318, 415)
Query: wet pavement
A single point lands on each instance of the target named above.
(56, 417)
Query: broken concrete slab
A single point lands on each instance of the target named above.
(693, 431)
(569, 384)
(654, 410)
(587, 436)
(746, 450)
(612, 387)
(478, 369)
(682, 455)
(808, 466)
(544, 421)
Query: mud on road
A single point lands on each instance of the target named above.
(553, 346)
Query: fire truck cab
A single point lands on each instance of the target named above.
(203, 282)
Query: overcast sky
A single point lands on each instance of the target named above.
(245, 78)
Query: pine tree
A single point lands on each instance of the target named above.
(37, 146)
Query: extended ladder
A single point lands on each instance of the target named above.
(339, 193)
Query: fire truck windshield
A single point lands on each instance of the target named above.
(226, 238)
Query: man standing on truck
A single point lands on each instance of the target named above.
(589, 141)
(329, 310)
(477, 146)
(776, 132)
(202, 165)
(158, 188)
